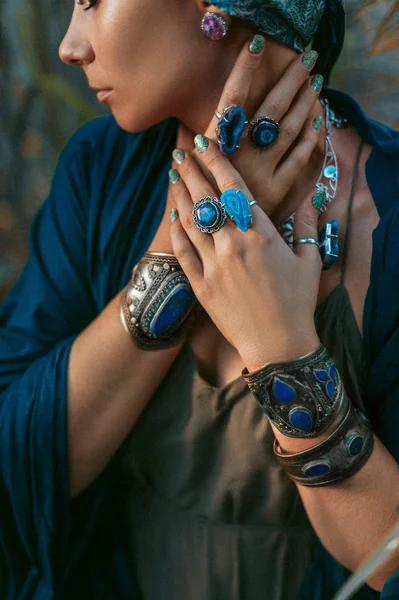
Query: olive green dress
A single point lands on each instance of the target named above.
(213, 516)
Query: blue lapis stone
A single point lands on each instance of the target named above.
(333, 372)
(321, 375)
(237, 207)
(282, 391)
(301, 419)
(172, 310)
(207, 214)
(355, 445)
(330, 389)
(316, 468)
(230, 128)
(263, 133)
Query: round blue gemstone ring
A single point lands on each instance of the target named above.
(209, 214)
(263, 132)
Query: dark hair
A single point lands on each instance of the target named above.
(329, 37)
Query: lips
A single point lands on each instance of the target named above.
(102, 95)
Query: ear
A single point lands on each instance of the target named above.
(205, 7)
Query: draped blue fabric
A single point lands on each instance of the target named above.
(295, 23)
(105, 204)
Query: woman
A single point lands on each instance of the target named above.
(189, 501)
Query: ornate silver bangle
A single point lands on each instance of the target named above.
(336, 458)
(158, 302)
(303, 396)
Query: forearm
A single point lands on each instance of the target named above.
(352, 518)
(110, 382)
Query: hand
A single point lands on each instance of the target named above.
(271, 173)
(259, 293)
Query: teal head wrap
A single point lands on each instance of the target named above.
(295, 23)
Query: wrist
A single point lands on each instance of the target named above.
(283, 347)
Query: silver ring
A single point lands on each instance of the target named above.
(252, 203)
(218, 115)
(307, 240)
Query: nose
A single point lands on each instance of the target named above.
(75, 48)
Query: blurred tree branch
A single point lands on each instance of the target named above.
(387, 35)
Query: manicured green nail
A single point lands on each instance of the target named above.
(201, 143)
(316, 123)
(309, 59)
(178, 155)
(174, 215)
(256, 44)
(317, 82)
(174, 176)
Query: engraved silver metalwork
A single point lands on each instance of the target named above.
(154, 279)
(303, 396)
(330, 462)
(220, 214)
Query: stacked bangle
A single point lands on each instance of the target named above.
(336, 458)
(158, 302)
(303, 396)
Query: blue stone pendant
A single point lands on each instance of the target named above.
(209, 214)
(230, 128)
(329, 245)
(263, 132)
(237, 207)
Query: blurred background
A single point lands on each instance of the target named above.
(43, 101)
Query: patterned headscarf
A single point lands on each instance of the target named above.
(295, 23)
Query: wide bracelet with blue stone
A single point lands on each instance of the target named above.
(302, 396)
(158, 302)
(336, 458)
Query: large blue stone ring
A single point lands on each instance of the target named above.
(263, 132)
(230, 127)
(209, 214)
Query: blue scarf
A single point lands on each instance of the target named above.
(295, 23)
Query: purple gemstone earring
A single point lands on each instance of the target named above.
(214, 26)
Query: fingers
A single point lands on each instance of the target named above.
(202, 243)
(227, 178)
(279, 100)
(306, 226)
(297, 159)
(238, 84)
(293, 121)
(183, 249)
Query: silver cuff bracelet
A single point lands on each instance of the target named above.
(303, 396)
(336, 458)
(158, 302)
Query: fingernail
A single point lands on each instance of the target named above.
(174, 215)
(309, 59)
(317, 82)
(256, 44)
(316, 123)
(174, 176)
(201, 143)
(178, 155)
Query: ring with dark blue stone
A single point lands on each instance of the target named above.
(329, 244)
(263, 132)
(209, 214)
(230, 127)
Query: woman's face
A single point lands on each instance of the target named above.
(149, 54)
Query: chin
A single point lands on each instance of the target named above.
(134, 121)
